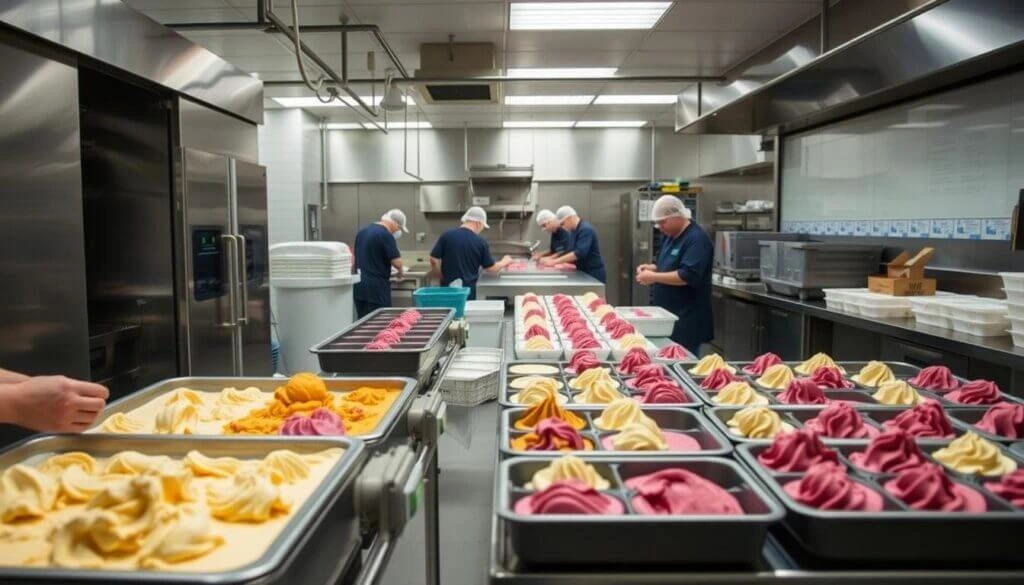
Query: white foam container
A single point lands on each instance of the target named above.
(933, 320)
(979, 311)
(1015, 309)
(484, 311)
(878, 306)
(1013, 281)
(838, 299)
(539, 354)
(1014, 296)
(1017, 324)
(980, 328)
(1018, 338)
(659, 323)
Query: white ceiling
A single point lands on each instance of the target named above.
(694, 37)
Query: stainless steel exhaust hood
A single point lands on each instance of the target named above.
(503, 189)
(937, 45)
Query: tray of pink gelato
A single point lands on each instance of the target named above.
(835, 420)
(713, 505)
(146, 509)
(1003, 421)
(624, 427)
(872, 500)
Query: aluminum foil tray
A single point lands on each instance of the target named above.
(873, 416)
(860, 394)
(417, 353)
(679, 420)
(506, 392)
(897, 534)
(388, 425)
(632, 538)
(320, 538)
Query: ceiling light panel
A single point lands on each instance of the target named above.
(610, 123)
(548, 100)
(638, 100)
(561, 72)
(585, 15)
(344, 126)
(538, 124)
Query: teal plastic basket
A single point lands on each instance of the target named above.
(442, 296)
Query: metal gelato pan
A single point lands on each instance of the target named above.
(632, 538)
(506, 392)
(317, 542)
(388, 424)
(416, 353)
(897, 534)
(670, 419)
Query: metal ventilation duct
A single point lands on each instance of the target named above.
(460, 60)
(937, 45)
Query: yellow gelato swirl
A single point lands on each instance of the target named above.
(184, 536)
(776, 377)
(56, 464)
(739, 394)
(758, 422)
(639, 437)
(975, 455)
(622, 412)
(250, 497)
(120, 422)
(897, 393)
(602, 310)
(537, 320)
(538, 392)
(632, 340)
(77, 485)
(600, 392)
(134, 463)
(818, 360)
(284, 466)
(588, 298)
(26, 493)
(568, 467)
(179, 395)
(203, 466)
(180, 418)
(710, 363)
(592, 376)
(874, 374)
(235, 397)
(538, 343)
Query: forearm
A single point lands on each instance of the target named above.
(9, 401)
(569, 258)
(9, 377)
(397, 263)
(670, 278)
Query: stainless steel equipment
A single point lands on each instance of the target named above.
(804, 268)
(506, 191)
(226, 292)
(640, 240)
(506, 285)
(738, 254)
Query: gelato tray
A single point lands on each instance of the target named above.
(895, 499)
(1003, 422)
(367, 408)
(624, 429)
(701, 511)
(528, 381)
(391, 341)
(100, 509)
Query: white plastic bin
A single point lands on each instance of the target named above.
(879, 306)
(933, 320)
(1013, 281)
(1014, 296)
(649, 321)
(978, 311)
(307, 311)
(980, 328)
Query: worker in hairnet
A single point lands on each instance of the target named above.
(584, 251)
(681, 277)
(460, 252)
(560, 240)
(375, 255)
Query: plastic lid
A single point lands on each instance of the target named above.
(325, 250)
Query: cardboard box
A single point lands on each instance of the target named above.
(904, 276)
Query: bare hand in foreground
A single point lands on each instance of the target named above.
(52, 403)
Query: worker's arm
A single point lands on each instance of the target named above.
(435, 265)
(394, 255)
(9, 377)
(694, 261)
(51, 403)
(569, 258)
(436, 253)
(499, 265)
(670, 278)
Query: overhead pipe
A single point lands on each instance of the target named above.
(506, 79)
(824, 26)
(323, 164)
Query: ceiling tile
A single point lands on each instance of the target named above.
(574, 40)
(435, 17)
(734, 41)
(736, 15)
(666, 59)
(565, 59)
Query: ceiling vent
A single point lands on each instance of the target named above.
(456, 60)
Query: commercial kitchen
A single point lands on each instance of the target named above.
(511, 292)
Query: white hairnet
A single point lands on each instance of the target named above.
(475, 214)
(668, 206)
(397, 216)
(544, 216)
(564, 212)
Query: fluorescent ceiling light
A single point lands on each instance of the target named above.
(585, 15)
(314, 102)
(636, 99)
(399, 125)
(562, 72)
(610, 123)
(548, 100)
(344, 126)
(538, 124)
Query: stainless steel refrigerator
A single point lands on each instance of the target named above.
(226, 311)
(640, 240)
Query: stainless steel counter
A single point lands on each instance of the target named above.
(999, 350)
(510, 284)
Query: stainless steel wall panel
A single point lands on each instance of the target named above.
(254, 259)
(42, 260)
(600, 154)
(606, 217)
(205, 129)
(340, 221)
(113, 33)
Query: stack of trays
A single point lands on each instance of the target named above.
(517, 379)
(1013, 286)
(601, 352)
(872, 524)
(631, 537)
(310, 260)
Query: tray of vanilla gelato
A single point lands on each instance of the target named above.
(699, 511)
(624, 427)
(304, 405)
(146, 509)
(895, 497)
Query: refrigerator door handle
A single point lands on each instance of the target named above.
(232, 271)
(244, 269)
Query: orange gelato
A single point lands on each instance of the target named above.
(548, 408)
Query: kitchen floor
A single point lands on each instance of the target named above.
(468, 454)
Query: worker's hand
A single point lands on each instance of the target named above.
(645, 268)
(536, 255)
(645, 277)
(548, 261)
(53, 403)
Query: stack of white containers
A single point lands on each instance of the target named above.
(978, 316)
(1013, 286)
(310, 260)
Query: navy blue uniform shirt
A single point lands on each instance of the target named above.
(588, 252)
(561, 242)
(462, 254)
(375, 249)
(690, 254)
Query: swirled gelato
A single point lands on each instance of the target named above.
(599, 392)
(592, 376)
(802, 391)
(1010, 487)
(970, 454)
(710, 363)
(321, 422)
(120, 422)
(738, 394)
(1004, 419)
(890, 452)
(757, 422)
(976, 392)
(622, 412)
(620, 329)
(548, 408)
(797, 451)
(582, 361)
(649, 374)
(926, 487)
(534, 330)
(677, 491)
(839, 420)
(569, 496)
(568, 467)
(638, 437)
(935, 378)
(552, 434)
(180, 418)
(539, 391)
(926, 420)
(828, 487)
(776, 377)
(674, 351)
(874, 374)
(897, 393)
(538, 343)
(816, 361)
(668, 392)
(632, 340)
(633, 359)
(761, 363)
(831, 378)
(718, 379)
(250, 497)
